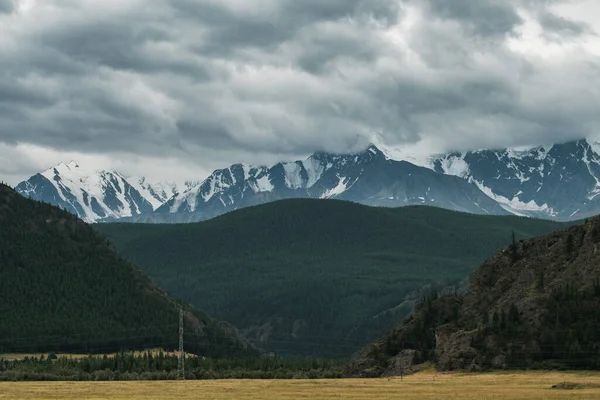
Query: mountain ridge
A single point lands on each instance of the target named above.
(368, 177)
(560, 181)
(533, 182)
(94, 195)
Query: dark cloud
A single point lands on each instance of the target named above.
(6, 6)
(216, 82)
(559, 28)
(231, 30)
(486, 18)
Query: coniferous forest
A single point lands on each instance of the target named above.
(63, 288)
(317, 277)
(533, 305)
(159, 365)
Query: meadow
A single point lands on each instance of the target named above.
(426, 385)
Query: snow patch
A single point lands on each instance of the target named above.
(314, 170)
(417, 154)
(595, 145)
(188, 197)
(340, 188)
(588, 162)
(456, 166)
(515, 205)
(293, 177)
(157, 194)
(263, 184)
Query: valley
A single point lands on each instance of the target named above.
(317, 277)
(294, 199)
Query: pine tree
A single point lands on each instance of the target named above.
(539, 284)
(569, 246)
(513, 247)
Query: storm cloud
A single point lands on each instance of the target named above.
(211, 82)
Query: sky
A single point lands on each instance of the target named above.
(172, 89)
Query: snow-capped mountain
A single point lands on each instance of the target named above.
(369, 177)
(560, 181)
(158, 193)
(95, 195)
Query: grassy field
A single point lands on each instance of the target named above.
(427, 385)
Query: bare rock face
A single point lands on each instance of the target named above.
(454, 350)
(403, 364)
(365, 367)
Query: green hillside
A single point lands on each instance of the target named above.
(535, 305)
(64, 288)
(309, 276)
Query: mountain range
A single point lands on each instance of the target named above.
(560, 181)
(97, 195)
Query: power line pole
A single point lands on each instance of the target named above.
(181, 364)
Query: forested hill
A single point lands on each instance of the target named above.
(535, 304)
(64, 288)
(316, 277)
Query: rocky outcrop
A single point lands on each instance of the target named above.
(404, 363)
(534, 304)
(454, 350)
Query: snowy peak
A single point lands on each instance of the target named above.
(94, 195)
(557, 181)
(413, 153)
(157, 193)
(221, 189)
(369, 177)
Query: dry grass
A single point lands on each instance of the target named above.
(21, 356)
(427, 385)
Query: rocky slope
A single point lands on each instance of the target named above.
(534, 304)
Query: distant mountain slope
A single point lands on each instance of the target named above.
(155, 193)
(309, 276)
(96, 195)
(63, 288)
(560, 181)
(368, 177)
(535, 304)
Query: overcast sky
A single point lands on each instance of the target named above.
(175, 88)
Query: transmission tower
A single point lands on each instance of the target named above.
(181, 364)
